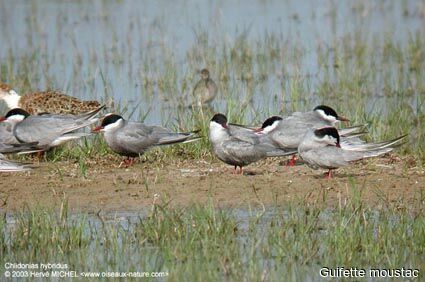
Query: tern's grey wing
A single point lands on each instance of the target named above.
(11, 166)
(297, 114)
(334, 157)
(271, 148)
(242, 152)
(165, 136)
(307, 117)
(356, 144)
(246, 151)
(233, 127)
(18, 148)
(245, 135)
(311, 119)
(136, 138)
(131, 140)
(352, 130)
(352, 143)
(45, 129)
(292, 129)
(90, 114)
(289, 133)
(6, 134)
(329, 157)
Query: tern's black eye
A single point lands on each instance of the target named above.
(270, 121)
(17, 111)
(327, 110)
(220, 119)
(110, 119)
(327, 131)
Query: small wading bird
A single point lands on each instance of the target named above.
(49, 101)
(132, 139)
(287, 132)
(240, 147)
(321, 148)
(205, 90)
(47, 130)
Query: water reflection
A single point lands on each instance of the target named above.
(146, 53)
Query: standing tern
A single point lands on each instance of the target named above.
(240, 147)
(321, 148)
(132, 139)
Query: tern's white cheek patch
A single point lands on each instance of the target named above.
(326, 117)
(113, 126)
(16, 118)
(269, 128)
(217, 132)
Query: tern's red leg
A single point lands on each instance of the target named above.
(235, 171)
(328, 175)
(40, 155)
(291, 162)
(127, 162)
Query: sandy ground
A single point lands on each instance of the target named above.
(392, 180)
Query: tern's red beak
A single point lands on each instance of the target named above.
(97, 129)
(257, 130)
(2, 119)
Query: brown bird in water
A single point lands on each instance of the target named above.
(50, 101)
(205, 90)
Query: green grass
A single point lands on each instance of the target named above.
(205, 243)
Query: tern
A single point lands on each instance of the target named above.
(287, 132)
(132, 139)
(240, 147)
(321, 148)
(48, 130)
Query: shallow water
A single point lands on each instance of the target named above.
(125, 49)
(106, 254)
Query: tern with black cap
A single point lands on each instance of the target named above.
(240, 147)
(132, 139)
(48, 130)
(287, 132)
(321, 148)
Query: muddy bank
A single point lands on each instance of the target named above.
(380, 182)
